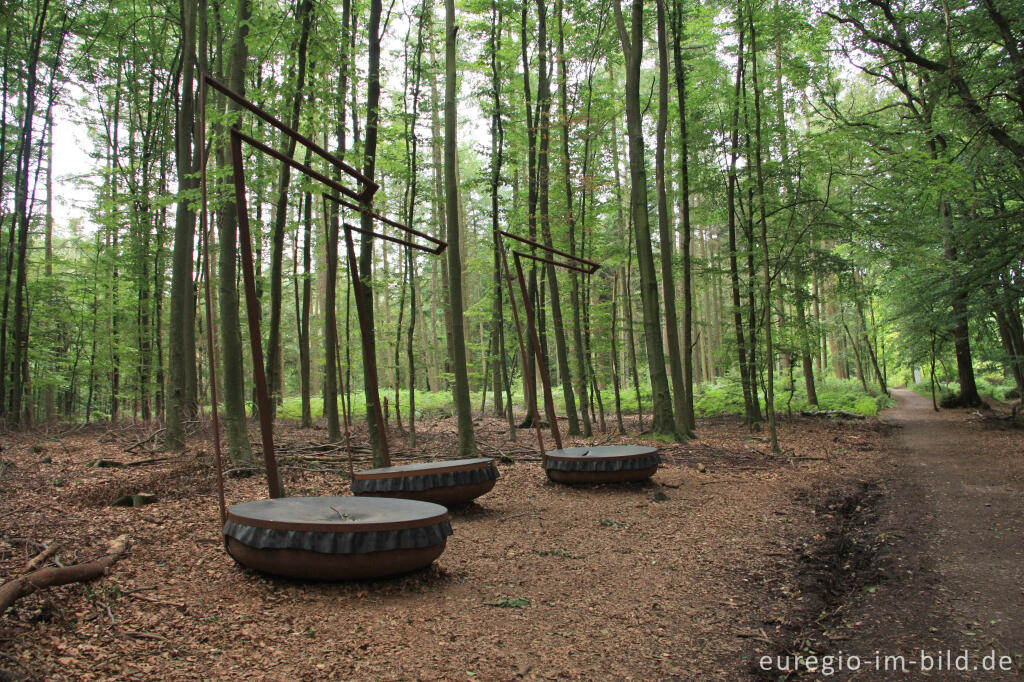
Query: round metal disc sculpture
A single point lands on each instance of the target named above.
(602, 464)
(598, 464)
(336, 538)
(316, 538)
(449, 482)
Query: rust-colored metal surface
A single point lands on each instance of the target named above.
(306, 565)
(337, 514)
(625, 476)
(614, 464)
(341, 528)
(370, 186)
(362, 197)
(444, 493)
(419, 468)
(571, 262)
(449, 496)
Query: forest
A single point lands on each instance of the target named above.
(791, 208)
(788, 196)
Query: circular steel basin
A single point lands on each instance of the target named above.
(336, 538)
(448, 482)
(602, 464)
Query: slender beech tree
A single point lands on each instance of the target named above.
(769, 361)
(688, 419)
(366, 244)
(632, 47)
(304, 20)
(467, 442)
(683, 426)
(232, 357)
(570, 220)
(182, 323)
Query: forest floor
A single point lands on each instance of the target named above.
(862, 535)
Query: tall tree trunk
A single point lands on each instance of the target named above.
(232, 356)
(380, 455)
(182, 323)
(663, 420)
(497, 157)
(307, 302)
(532, 116)
(331, 351)
(570, 219)
(681, 368)
(304, 18)
(615, 355)
(467, 444)
(22, 210)
(543, 205)
(766, 265)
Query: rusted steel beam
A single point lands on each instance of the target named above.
(252, 306)
(530, 379)
(591, 266)
(370, 186)
(395, 240)
(440, 245)
(299, 166)
(545, 378)
(366, 332)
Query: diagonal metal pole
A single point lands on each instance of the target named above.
(530, 379)
(545, 380)
(252, 306)
(365, 330)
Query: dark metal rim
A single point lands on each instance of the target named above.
(361, 476)
(339, 527)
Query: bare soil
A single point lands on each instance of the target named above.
(931, 571)
(729, 554)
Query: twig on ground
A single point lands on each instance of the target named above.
(141, 597)
(43, 578)
(39, 559)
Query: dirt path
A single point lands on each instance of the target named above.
(950, 568)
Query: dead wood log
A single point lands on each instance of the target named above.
(842, 414)
(44, 578)
(39, 559)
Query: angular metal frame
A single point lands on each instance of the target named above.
(574, 263)
(363, 198)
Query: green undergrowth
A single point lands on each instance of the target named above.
(989, 386)
(725, 396)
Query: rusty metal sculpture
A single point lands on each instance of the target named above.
(318, 537)
(575, 263)
(598, 464)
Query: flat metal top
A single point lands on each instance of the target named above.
(603, 452)
(426, 467)
(337, 514)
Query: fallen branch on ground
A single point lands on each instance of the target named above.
(49, 577)
(842, 414)
(103, 463)
(39, 559)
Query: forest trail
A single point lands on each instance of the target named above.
(954, 565)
